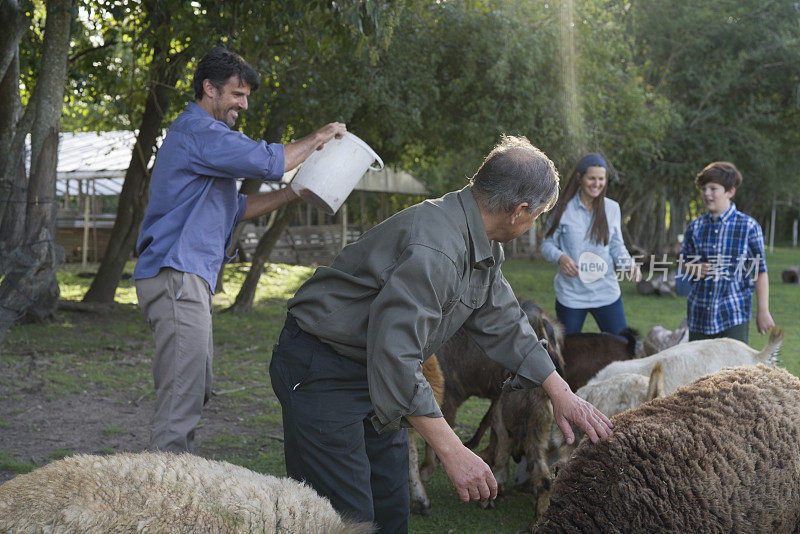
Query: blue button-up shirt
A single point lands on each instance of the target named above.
(194, 200)
(572, 238)
(734, 245)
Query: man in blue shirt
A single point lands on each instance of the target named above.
(723, 253)
(193, 208)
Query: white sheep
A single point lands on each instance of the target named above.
(625, 391)
(162, 492)
(689, 361)
(721, 454)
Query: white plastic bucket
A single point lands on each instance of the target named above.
(328, 176)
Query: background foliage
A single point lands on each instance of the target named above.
(662, 87)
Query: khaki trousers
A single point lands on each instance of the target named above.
(177, 307)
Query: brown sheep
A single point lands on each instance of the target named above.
(721, 454)
(520, 423)
(584, 354)
(467, 372)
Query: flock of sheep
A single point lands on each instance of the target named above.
(608, 371)
(705, 439)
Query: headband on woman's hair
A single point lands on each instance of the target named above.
(590, 160)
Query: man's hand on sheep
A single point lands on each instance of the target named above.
(470, 475)
(569, 408)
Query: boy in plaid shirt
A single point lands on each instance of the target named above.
(723, 253)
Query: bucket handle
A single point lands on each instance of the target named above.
(372, 167)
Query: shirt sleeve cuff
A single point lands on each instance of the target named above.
(277, 163)
(533, 370)
(423, 404)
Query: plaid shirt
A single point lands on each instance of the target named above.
(734, 245)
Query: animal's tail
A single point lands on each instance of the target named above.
(634, 340)
(656, 386)
(769, 354)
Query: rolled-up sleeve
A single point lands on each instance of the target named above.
(225, 153)
(402, 318)
(503, 331)
(755, 246)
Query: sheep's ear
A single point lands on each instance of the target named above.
(656, 386)
(770, 353)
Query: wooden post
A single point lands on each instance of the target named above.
(95, 211)
(84, 251)
(772, 228)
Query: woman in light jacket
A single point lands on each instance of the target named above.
(585, 239)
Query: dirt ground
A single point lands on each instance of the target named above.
(76, 424)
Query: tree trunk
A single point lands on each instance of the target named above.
(29, 286)
(244, 300)
(134, 194)
(791, 275)
(15, 23)
(677, 214)
(13, 176)
(658, 237)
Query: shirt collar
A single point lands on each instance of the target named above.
(195, 109)
(481, 248)
(726, 216)
(577, 204)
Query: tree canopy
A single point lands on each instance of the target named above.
(659, 88)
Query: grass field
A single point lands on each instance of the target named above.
(110, 353)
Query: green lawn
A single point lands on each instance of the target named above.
(87, 354)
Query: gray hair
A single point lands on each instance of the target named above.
(514, 172)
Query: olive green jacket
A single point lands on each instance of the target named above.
(394, 296)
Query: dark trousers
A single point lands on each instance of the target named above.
(329, 441)
(609, 318)
(740, 332)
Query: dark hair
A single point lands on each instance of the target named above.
(217, 66)
(723, 173)
(514, 172)
(599, 229)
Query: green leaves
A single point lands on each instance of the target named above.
(661, 88)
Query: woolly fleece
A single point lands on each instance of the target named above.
(162, 492)
(721, 454)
